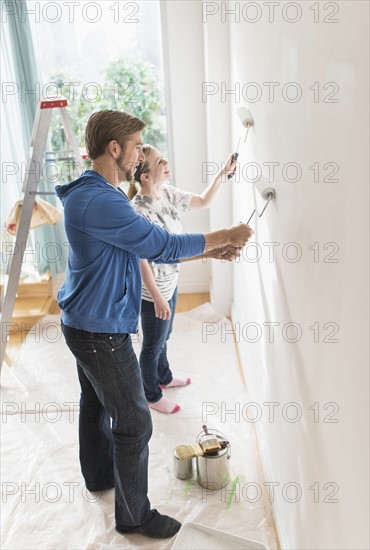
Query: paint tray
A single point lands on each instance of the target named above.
(193, 535)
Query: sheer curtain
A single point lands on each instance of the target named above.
(19, 102)
(14, 136)
(14, 132)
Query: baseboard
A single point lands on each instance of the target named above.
(223, 308)
(264, 456)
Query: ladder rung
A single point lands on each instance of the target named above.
(41, 193)
(52, 103)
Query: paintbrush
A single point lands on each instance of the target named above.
(209, 447)
(185, 452)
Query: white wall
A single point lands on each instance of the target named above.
(183, 64)
(199, 131)
(306, 292)
(216, 69)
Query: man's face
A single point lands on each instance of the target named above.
(130, 158)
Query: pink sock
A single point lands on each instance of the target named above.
(164, 406)
(175, 382)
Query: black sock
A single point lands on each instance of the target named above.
(157, 526)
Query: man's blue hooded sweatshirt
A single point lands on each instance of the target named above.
(107, 238)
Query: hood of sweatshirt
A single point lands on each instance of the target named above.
(63, 191)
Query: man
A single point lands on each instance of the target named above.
(100, 302)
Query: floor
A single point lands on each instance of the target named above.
(45, 504)
(185, 303)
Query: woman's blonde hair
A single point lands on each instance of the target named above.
(143, 168)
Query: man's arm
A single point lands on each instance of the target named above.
(234, 237)
(112, 219)
(227, 253)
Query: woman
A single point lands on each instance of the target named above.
(162, 203)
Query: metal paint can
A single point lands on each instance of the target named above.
(183, 469)
(213, 471)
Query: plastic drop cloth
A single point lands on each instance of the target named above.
(44, 502)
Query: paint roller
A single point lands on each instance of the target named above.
(264, 187)
(247, 121)
(266, 191)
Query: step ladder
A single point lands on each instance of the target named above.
(33, 171)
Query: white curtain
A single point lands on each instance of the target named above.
(13, 146)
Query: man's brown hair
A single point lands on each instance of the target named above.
(105, 126)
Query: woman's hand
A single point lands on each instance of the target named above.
(229, 166)
(162, 309)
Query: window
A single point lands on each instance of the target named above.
(105, 54)
(102, 54)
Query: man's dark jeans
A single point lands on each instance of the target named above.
(155, 368)
(115, 424)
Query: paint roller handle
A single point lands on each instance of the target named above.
(234, 159)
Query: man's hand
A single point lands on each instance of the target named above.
(225, 252)
(239, 235)
(236, 236)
